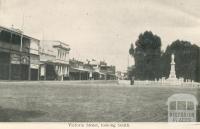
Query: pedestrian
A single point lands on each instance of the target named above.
(133, 79)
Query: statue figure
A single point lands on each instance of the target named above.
(172, 57)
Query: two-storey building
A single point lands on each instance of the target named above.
(14, 54)
(54, 59)
(96, 74)
(108, 70)
(80, 70)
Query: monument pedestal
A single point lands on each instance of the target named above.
(172, 80)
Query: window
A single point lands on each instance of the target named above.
(60, 54)
(190, 105)
(16, 39)
(173, 105)
(63, 55)
(5, 36)
(181, 105)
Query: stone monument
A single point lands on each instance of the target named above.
(172, 75)
(172, 80)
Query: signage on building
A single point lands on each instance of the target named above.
(24, 59)
(42, 70)
(34, 59)
(15, 58)
(90, 74)
(34, 47)
(34, 66)
(46, 57)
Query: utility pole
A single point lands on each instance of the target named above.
(22, 29)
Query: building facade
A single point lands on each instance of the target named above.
(79, 70)
(14, 54)
(34, 59)
(25, 58)
(97, 74)
(92, 70)
(54, 60)
(108, 70)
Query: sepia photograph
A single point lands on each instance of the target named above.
(100, 61)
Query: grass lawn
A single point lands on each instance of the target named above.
(40, 101)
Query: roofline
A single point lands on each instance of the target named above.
(56, 41)
(10, 30)
(60, 46)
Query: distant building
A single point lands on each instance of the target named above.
(79, 70)
(109, 71)
(96, 74)
(121, 75)
(54, 59)
(92, 70)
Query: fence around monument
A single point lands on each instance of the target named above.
(160, 83)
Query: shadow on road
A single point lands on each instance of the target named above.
(15, 115)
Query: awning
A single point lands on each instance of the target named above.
(101, 73)
(78, 70)
(112, 74)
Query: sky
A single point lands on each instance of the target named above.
(103, 29)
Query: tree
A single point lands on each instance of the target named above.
(147, 56)
(131, 50)
(152, 63)
(186, 59)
